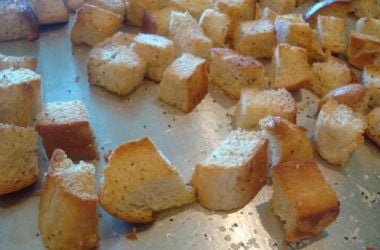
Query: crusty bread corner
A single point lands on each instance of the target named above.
(17, 21)
(49, 11)
(287, 141)
(362, 49)
(18, 157)
(371, 79)
(307, 213)
(373, 129)
(120, 37)
(156, 21)
(369, 26)
(339, 131)
(115, 6)
(234, 172)
(215, 25)
(331, 33)
(139, 181)
(279, 6)
(16, 62)
(366, 8)
(68, 217)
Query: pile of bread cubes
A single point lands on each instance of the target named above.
(257, 53)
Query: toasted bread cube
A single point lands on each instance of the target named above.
(256, 104)
(49, 11)
(93, 24)
(73, 5)
(134, 9)
(157, 21)
(66, 125)
(316, 53)
(238, 166)
(116, 68)
(231, 72)
(279, 6)
(305, 213)
(292, 29)
(115, 6)
(20, 96)
(139, 181)
(371, 79)
(362, 49)
(373, 129)
(269, 14)
(366, 8)
(331, 32)
(329, 75)
(16, 62)
(158, 51)
(287, 141)
(255, 38)
(121, 38)
(290, 68)
(18, 157)
(184, 83)
(195, 8)
(369, 26)
(215, 25)
(339, 131)
(238, 11)
(188, 36)
(68, 217)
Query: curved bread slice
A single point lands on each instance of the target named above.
(139, 181)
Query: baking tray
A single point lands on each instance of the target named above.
(185, 139)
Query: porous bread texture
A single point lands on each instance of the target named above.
(373, 129)
(369, 26)
(188, 36)
(231, 72)
(66, 125)
(279, 6)
(269, 14)
(157, 21)
(234, 173)
(73, 5)
(158, 51)
(68, 217)
(184, 83)
(339, 131)
(369, 8)
(18, 157)
(120, 38)
(93, 24)
(371, 79)
(362, 49)
(17, 21)
(20, 96)
(115, 6)
(16, 62)
(289, 67)
(139, 181)
(331, 33)
(256, 104)
(195, 8)
(329, 75)
(116, 68)
(134, 9)
(287, 141)
(255, 38)
(215, 25)
(49, 11)
(307, 213)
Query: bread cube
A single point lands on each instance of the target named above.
(289, 67)
(316, 53)
(66, 125)
(134, 9)
(158, 51)
(215, 25)
(339, 131)
(369, 26)
(362, 49)
(366, 8)
(20, 96)
(269, 14)
(371, 79)
(16, 62)
(255, 38)
(49, 11)
(184, 83)
(195, 8)
(279, 6)
(307, 213)
(373, 129)
(18, 157)
(231, 72)
(188, 36)
(139, 181)
(329, 75)
(287, 141)
(157, 21)
(115, 6)
(116, 68)
(93, 24)
(68, 217)
(121, 38)
(238, 166)
(256, 104)
(331, 32)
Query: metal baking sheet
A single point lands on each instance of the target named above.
(185, 140)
